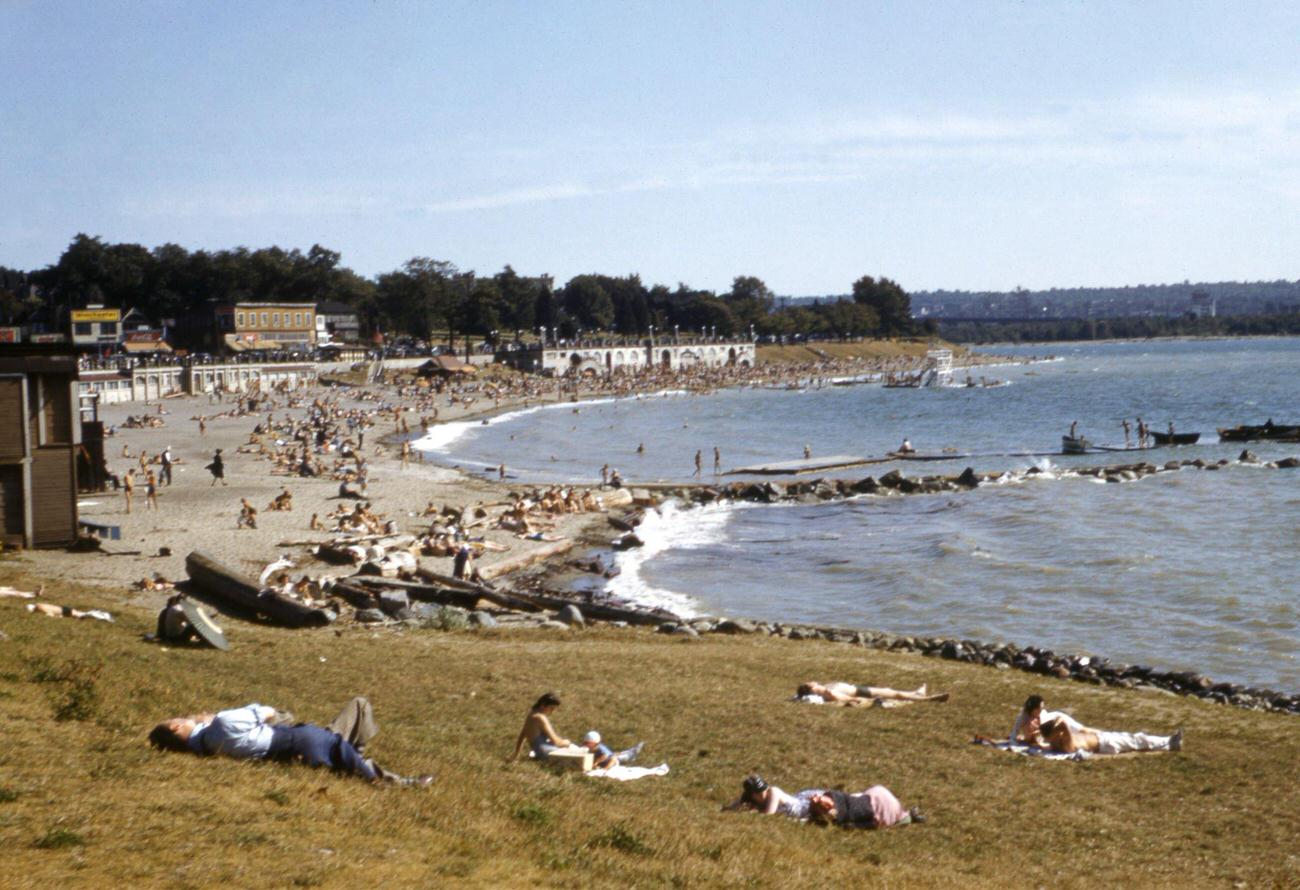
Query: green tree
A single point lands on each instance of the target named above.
(889, 300)
(587, 302)
(749, 300)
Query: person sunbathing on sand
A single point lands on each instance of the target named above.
(851, 694)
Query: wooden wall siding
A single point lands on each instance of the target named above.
(11, 413)
(57, 410)
(33, 412)
(54, 505)
(11, 505)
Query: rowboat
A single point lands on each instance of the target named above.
(1074, 445)
(1175, 438)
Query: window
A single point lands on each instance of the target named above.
(297, 319)
(81, 329)
(239, 319)
(108, 327)
(264, 321)
(275, 319)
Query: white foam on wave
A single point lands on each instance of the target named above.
(440, 438)
(669, 528)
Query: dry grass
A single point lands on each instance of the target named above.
(84, 801)
(865, 349)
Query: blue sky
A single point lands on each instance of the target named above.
(944, 144)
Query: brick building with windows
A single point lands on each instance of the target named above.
(280, 326)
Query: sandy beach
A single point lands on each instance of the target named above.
(194, 514)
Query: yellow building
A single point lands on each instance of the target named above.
(245, 326)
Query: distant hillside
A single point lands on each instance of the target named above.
(1222, 298)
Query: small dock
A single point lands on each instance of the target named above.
(806, 465)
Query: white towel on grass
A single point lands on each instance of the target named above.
(1035, 751)
(628, 773)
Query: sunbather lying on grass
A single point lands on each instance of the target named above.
(851, 694)
(877, 807)
(770, 800)
(1061, 737)
(258, 732)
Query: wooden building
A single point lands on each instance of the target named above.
(40, 433)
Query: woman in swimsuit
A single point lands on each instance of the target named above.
(537, 730)
(770, 800)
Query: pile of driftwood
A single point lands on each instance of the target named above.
(385, 589)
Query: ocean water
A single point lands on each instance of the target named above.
(1187, 570)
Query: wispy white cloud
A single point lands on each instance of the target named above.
(1187, 140)
(509, 198)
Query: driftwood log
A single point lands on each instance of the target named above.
(454, 592)
(212, 578)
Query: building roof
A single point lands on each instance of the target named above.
(136, 347)
(277, 304)
(334, 307)
(446, 364)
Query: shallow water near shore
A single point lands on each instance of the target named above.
(1188, 570)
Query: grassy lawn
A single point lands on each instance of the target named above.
(85, 802)
(864, 349)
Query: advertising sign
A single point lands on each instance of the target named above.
(96, 315)
(49, 338)
(10, 334)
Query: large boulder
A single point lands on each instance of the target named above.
(736, 626)
(572, 616)
(482, 619)
(394, 601)
(615, 498)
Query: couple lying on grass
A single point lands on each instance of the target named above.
(258, 732)
(543, 740)
(877, 807)
(1058, 731)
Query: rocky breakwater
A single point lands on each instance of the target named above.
(896, 483)
(1005, 656)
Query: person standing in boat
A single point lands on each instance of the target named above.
(1142, 434)
(1074, 430)
(1171, 429)
(1124, 423)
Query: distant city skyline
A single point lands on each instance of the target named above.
(978, 146)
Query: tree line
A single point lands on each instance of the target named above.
(426, 295)
(1279, 324)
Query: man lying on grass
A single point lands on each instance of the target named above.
(1061, 737)
(258, 732)
(852, 694)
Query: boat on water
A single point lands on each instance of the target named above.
(1174, 438)
(903, 382)
(1267, 431)
(1074, 445)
